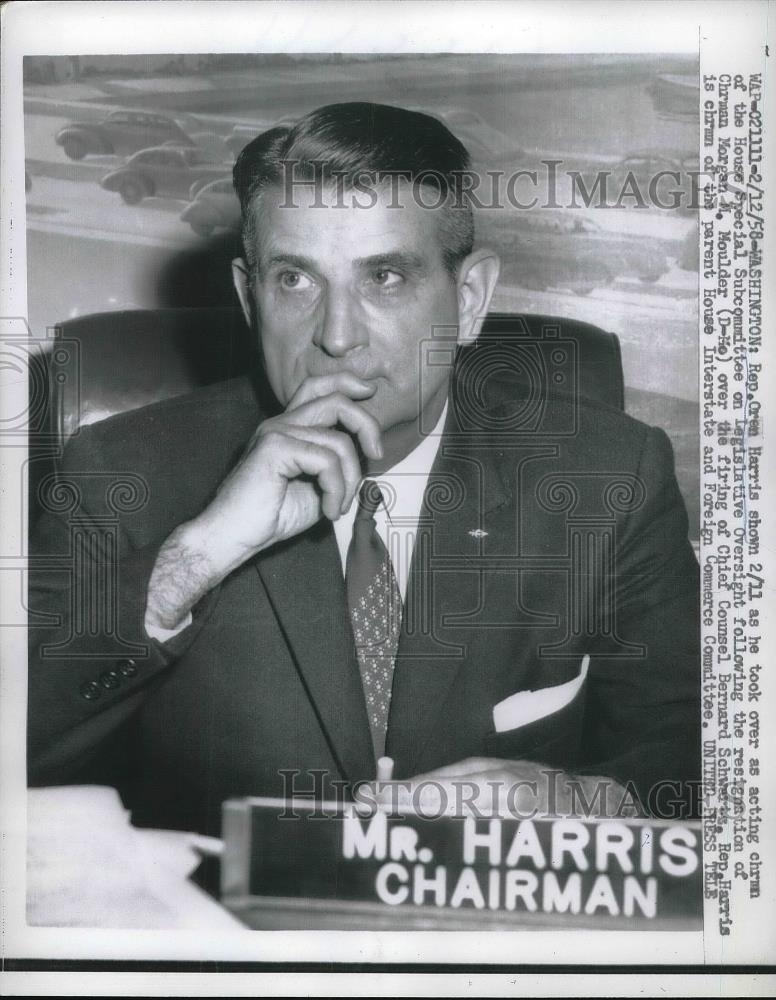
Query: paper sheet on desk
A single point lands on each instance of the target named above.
(88, 867)
(528, 706)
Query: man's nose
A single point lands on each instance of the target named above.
(341, 329)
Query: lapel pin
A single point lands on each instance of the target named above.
(478, 533)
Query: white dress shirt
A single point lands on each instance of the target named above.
(396, 519)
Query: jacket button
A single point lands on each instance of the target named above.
(127, 668)
(110, 679)
(90, 690)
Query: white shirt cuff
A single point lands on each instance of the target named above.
(165, 634)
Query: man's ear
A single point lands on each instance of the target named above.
(477, 277)
(241, 281)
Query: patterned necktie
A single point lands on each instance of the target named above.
(375, 611)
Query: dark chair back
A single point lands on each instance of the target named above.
(110, 363)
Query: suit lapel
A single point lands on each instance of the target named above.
(303, 579)
(462, 490)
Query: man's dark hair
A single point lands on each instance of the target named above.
(353, 142)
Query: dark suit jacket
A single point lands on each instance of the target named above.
(536, 545)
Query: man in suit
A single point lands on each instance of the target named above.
(368, 561)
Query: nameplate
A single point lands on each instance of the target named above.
(286, 862)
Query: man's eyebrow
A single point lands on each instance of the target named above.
(402, 260)
(290, 260)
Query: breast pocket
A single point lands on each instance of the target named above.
(543, 726)
(554, 739)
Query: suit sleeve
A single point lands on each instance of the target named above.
(642, 719)
(91, 664)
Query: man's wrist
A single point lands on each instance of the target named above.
(182, 575)
(165, 634)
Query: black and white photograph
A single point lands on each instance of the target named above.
(377, 560)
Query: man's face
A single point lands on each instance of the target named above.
(357, 290)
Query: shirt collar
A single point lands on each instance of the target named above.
(422, 456)
(403, 487)
(407, 479)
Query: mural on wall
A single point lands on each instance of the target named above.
(129, 200)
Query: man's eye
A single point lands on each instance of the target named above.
(387, 279)
(295, 281)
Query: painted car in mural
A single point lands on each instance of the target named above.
(125, 132)
(162, 171)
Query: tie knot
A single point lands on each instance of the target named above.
(369, 499)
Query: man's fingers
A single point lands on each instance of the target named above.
(328, 411)
(343, 446)
(293, 457)
(461, 768)
(324, 385)
(476, 785)
(452, 797)
(471, 769)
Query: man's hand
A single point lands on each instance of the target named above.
(296, 467)
(490, 786)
